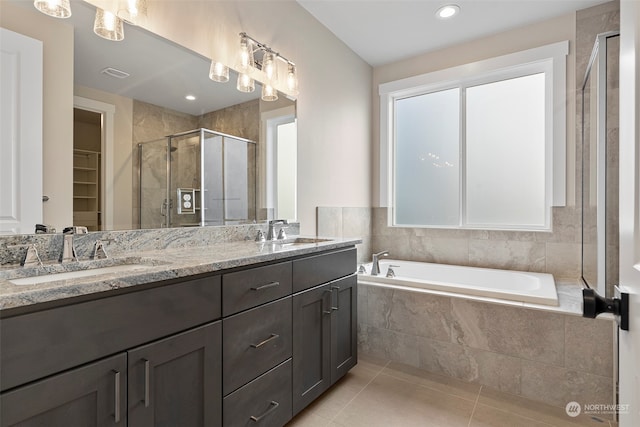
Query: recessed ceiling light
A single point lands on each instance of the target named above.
(190, 98)
(448, 11)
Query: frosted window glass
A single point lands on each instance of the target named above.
(505, 152)
(427, 164)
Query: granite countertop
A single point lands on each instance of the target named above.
(152, 266)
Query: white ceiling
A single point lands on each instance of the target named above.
(384, 31)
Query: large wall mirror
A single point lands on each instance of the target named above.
(186, 151)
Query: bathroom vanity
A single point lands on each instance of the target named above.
(252, 341)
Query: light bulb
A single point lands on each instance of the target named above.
(269, 93)
(55, 8)
(219, 72)
(245, 83)
(135, 12)
(108, 26)
(270, 67)
(245, 60)
(448, 11)
(292, 79)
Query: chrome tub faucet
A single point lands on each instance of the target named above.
(375, 267)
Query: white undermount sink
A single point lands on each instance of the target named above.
(53, 277)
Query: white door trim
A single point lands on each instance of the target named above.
(107, 176)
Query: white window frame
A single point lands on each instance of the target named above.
(550, 59)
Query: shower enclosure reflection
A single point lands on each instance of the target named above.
(600, 161)
(196, 178)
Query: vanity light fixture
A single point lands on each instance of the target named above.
(55, 8)
(447, 11)
(248, 63)
(108, 26)
(218, 72)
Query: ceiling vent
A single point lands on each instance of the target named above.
(118, 74)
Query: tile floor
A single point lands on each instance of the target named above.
(389, 394)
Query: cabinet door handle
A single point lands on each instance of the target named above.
(329, 291)
(116, 396)
(337, 288)
(274, 405)
(267, 286)
(271, 338)
(147, 367)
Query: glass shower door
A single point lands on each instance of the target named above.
(154, 202)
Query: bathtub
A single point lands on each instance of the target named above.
(537, 288)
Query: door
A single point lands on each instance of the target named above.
(311, 345)
(20, 133)
(344, 326)
(177, 381)
(93, 395)
(629, 341)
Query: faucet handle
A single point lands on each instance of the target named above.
(281, 234)
(260, 237)
(98, 250)
(391, 272)
(31, 256)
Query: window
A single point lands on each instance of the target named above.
(480, 146)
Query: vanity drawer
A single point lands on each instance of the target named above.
(316, 270)
(254, 342)
(39, 344)
(265, 401)
(250, 288)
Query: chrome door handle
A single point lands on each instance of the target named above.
(274, 405)
(268, 285)
(337, 288)
(116, 396)
(260, 344)
(147, 367)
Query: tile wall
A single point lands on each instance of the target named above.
(548, 357)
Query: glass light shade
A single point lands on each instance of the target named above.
(135, 12)
(292, 79)
(246, 63)
(269, 93)
(219, 72)
(245, 83)
(108, 26)
(270, 66)
(55, 8)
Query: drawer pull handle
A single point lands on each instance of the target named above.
(271, 338)
(146, 383)
(267, 286)
(274, 405)
(116, 414)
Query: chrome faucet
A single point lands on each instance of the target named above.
(271, 235)
(375, 267)
(68, 252)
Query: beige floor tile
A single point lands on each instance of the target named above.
(388, 401)
(487, 416)
(535, 410)
(437, 382)
(307, 418)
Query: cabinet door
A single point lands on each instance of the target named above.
(177, 381)
(311, 345)
(344, 326)
(93, 395)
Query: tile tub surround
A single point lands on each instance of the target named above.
(541, 355)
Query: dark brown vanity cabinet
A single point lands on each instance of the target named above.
(176, 381)
(67, 366)
(324, 324)
(251, 346)
(93, 395)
